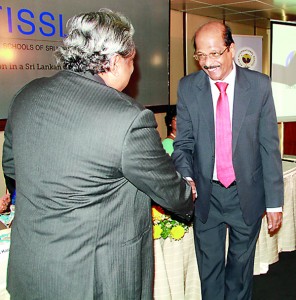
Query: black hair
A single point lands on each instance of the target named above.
(228, 40)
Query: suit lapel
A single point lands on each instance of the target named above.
(240, 104)
(205, 105)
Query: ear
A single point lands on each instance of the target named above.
(114, 64)
(232, 49)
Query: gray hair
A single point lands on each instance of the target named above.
(93, 38)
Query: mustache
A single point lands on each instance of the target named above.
(210, 67)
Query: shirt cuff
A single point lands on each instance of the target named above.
(274, 209)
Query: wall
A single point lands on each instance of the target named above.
(290, 138)
(162, 129)
(176, 53)
(176, 65)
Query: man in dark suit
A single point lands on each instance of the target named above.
(87, 159)
(231, 153)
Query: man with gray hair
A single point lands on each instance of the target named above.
(87, 159)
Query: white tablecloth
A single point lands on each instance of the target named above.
(176, 273)
(268, 247)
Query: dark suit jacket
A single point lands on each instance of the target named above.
(255, 145)
(86, 159)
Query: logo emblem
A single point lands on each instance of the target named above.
(246, 58)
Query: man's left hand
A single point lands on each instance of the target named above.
(274, 221)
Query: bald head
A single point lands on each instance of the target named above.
(214, 25)
(216, 28)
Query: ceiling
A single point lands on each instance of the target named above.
(250, 12)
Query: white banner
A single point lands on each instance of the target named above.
(31, 30)
(248, 52)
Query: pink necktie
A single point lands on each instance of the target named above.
(224, 165)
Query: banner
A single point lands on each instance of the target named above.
(31, 30)
(248, 53)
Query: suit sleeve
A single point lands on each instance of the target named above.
(184, 142)
(7, 159)
(147, 166)
(269, 150)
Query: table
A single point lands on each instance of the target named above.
(176, 271)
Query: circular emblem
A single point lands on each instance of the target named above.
(246, 58)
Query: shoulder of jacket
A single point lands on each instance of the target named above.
(253, 73)
(193, 77)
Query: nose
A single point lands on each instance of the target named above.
(208, 59)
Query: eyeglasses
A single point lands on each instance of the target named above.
(201, 56)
